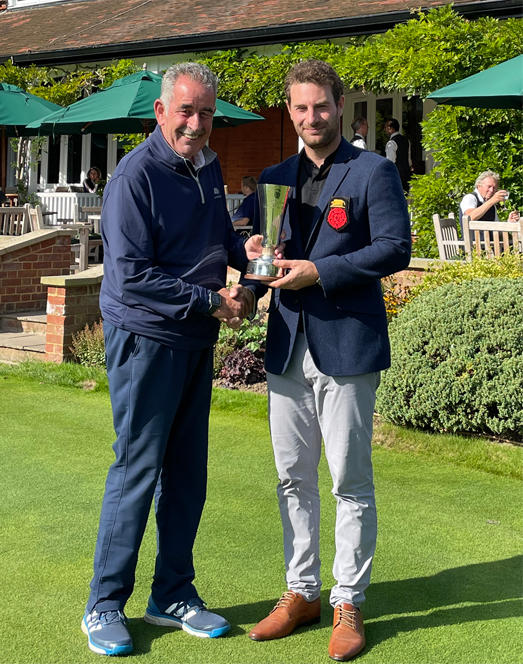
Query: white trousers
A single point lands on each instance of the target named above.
(305, 406)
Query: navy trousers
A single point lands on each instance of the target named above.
(160, 398)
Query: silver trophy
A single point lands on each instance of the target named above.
(272, 199)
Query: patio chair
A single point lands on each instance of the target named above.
(14, 220)
(449, 244)
(85, 250)
(492, 238)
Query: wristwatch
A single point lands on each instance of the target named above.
(215, 302)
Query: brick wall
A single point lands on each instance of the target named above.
(72, 302)
(241, 152)
(24, 260)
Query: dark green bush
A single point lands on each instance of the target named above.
(457, 360)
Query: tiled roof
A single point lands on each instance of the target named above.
(101, 29)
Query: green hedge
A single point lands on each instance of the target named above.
(457, 360)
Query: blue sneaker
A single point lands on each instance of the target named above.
(107, 633)
(191, 616)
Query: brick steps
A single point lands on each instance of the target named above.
(22, 336)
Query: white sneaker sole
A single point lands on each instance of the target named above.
(179, 624)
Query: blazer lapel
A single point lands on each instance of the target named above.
(338, 172)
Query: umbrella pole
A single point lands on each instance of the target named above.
(3, 159)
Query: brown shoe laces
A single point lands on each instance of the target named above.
(285, 600)
(347, 618)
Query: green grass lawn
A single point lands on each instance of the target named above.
(447, 578)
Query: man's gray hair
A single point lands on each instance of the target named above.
(485, 175)
(193, 70)
(358, 122)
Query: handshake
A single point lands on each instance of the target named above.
(237, 304)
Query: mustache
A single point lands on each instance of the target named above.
(192, 134)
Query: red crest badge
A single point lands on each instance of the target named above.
(338, 215)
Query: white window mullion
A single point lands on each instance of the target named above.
(112, 153)
(86, 156)
(62, 169)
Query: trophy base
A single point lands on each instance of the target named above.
(262, 269)
(260, 277)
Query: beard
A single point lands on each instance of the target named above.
(328, 134)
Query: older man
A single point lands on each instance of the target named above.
(480, 205)
(167, 241)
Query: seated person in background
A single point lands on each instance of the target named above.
(90, 184)
(481, 204)
(245, 213)
(360, 129)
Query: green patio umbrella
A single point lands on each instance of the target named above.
(18, 108)
(500, 86)
(127, 106)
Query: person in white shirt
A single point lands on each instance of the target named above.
(360, 128)
(481, 204)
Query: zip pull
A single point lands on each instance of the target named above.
(194, 175)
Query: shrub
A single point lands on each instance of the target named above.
(250, 335)
(457, 360)
(88, 347)
(509, 266)
(395, 295)
(242, 367)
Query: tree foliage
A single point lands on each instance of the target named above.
(62, 86)
(433, 49)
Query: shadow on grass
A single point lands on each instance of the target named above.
(144, 634)
(491, 586)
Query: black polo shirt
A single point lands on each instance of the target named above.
(311, 179)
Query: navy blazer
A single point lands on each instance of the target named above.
(344, 319)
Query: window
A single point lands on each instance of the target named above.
(74, 159)
(99, 153)
(411, 116)
(53, 160)
(383, 111)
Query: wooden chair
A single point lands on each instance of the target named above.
(492, 238)
(81, 211)
(449, 244)
(85, 250)
(15, 220)
(36, 219)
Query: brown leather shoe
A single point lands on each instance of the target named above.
(348, 635)
(291, 611)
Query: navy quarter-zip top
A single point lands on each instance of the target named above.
(167, 240)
